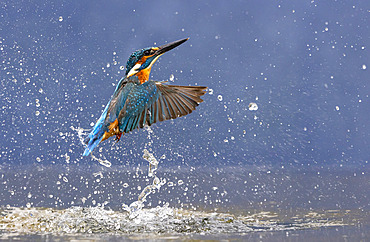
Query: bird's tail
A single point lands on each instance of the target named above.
(96, 135)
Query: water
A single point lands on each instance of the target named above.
(63, 203)
(168, 223)
(293, 166)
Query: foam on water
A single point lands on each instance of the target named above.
(159, 220)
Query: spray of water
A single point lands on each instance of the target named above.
(135, 208)
(81, 134)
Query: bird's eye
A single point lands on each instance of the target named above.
(147, 52)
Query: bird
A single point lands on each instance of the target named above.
(138, 101)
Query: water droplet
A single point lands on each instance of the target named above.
(219, 97)
(210, 91)
(65, 179)
(68, 158)
(37, 113)
(150, 157)
(105, 163)
(28, 80)
(60, 18)
(156, 181)
(253, 107)
(180, 182)
(337, 108)
(172, 78)
(121, 67)
(364, 67)
(38, 159)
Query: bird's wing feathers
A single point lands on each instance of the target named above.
(154, 102)
(119, 99)
(135, 105)
(176, 101)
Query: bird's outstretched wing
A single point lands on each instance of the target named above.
(158, 102)
(135, 105)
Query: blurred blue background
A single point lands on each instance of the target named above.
(304, 63)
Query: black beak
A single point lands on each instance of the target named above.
(164, 48)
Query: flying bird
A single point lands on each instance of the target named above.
(138, 101)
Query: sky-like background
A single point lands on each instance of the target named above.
(304, 63)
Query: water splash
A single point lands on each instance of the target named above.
(153, 162)
(81, 134)
(102, 162)
(160, 220)
(135, 208)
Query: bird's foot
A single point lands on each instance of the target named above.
(118, 137)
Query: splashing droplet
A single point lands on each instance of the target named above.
(253, 107)
(172, 78)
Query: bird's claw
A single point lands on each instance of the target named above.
(118, 137)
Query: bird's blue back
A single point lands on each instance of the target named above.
(127, 104)
(131, 107)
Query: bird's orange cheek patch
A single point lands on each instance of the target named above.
(143, 59)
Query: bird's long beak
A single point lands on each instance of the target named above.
(159, 51)
(164, 48)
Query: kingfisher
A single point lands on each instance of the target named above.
(138, 101)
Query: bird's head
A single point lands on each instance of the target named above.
(141, 61)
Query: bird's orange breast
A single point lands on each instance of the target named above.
(143, 75)
(113, 130)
